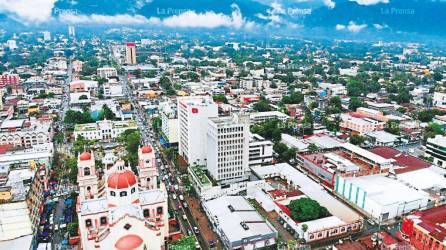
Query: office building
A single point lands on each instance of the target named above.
(106, 72)
(130, 53)
(193, 114)
(228, 148)
(46, 36)
(436, 148)
(71, 31)
(169, 121)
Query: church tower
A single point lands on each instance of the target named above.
(148, 173)
(87, 178)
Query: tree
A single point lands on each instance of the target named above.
(72, 229)
(432, 130)
(185, 243)
(83, 97)
(428, 114)
(393, 127)
(312, 148)
(355, 103)
(357, 139)
(107, 113)
(220, 98)
(156, 124)
(77, 117)
(306, 209)
(71, 165)
(131, 138)
(334, 105)
(262, 106)
(294, 98)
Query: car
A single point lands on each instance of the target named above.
(185, 205)
(197, 245)
(371, 222)
(181, 197)
(174, 196)
(196, 230)
(184, 217)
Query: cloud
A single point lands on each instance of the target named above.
(369, 2)
(209, 19)
(36, 11)
(380, 26)
(329, 3)
(340, 27)
(352, 27)
(107, 19)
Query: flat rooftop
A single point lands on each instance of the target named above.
(230, 221)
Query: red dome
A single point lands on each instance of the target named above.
(146, 149)
(129, 242)
(120, 180)
(85, 156)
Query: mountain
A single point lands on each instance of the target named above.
(335, 17)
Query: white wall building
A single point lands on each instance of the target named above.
(106, 72)
(193, 114)
(169, 123)
(260, 150)
(25, 133)
(436, 148)
(439, 99)
(228, 148)
(269, 115)
(103, 130)
(112, 89)
(381, 197)
(238, 224)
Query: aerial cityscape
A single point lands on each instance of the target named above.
(245, 124)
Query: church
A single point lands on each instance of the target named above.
(122, 210)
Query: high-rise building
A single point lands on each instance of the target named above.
(193, 114)
(71, 31)
(130, 53)
(228, 148)
(46, 36)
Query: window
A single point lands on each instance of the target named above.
(159, 210)
(127, 226)
(146, 212)
(86, 171)
(88, 222)
(148, 179)
(123, 193)
(103, 220)
(133, 190)
(88, 188)
(112, 193)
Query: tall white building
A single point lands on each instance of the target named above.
(228, 148)
(46, 36)
(193, 114)
(71, 31)
(12, 44)
(169, 121)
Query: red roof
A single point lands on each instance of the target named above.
(146, 149)
(432, 221)
(129, 242)
(131, 44)
(410, 163)
(121, 180)
(85, 156)
(5, 148)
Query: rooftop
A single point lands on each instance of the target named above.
(229, 221)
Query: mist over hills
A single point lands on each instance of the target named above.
(331, 17)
